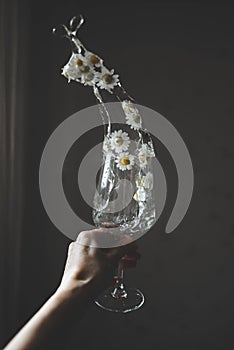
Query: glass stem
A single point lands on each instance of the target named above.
(119, 290)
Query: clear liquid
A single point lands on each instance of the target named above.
(121, 200)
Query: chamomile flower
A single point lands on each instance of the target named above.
(148, 181)
(79, 69)
(132, 114)
(125, 161)
(71, 70)
(108, 80)
(134, 120)
(88, 74)
(90, 78)
(119, 141)
(145, 152)
(129, 107)
(106, 147)
(93, 59)
(143, 161)
(144, 184)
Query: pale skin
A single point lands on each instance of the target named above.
(87, 272)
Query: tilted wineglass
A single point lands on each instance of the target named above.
(124, 201)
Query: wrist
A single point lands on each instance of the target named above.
(74, 291)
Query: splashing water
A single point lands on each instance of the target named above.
(124, 194)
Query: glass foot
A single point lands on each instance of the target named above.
(115, 300)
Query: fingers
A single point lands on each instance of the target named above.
(87, 261)
(93, 239)
(104, 238)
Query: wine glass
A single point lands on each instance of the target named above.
(124, 200)
(124, 203)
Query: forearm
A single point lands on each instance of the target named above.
(87, 271)
(53, 322)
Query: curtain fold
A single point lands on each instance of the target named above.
(13, 79)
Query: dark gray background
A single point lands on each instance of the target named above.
(177, 58)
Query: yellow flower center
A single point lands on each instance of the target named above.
(94, 59)
(118, 140)
(89, 76)
(125, 161)
(136, 118)
(79, 62)
(143, 157)
(107, 78)
(85, 69)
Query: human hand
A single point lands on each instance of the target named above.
(88, 270)
(91, 268)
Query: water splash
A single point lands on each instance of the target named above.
(124, 193)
